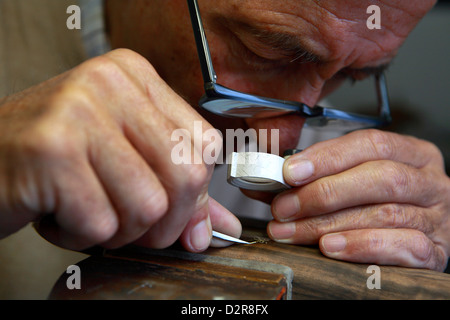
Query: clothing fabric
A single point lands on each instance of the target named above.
(35, 43)
(93, 34)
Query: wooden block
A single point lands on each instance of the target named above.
(318, 277)
(163, 277)
(265, 270)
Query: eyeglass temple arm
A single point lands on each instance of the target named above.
(383, 97)
(208, 72)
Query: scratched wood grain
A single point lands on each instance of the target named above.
(165, 278)
(119, 272)
(318, 277)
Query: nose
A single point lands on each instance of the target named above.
(288, 130)
(303, 87)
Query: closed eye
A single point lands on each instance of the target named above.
(269, 47)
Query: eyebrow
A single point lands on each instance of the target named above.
(291, 45)
(285, 43)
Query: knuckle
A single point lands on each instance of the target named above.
(404, 216)
(397, 179)
(154, 208)
(420, 221)
(426, 253)
(435, 153)
(375, 242)
(72, 103)
(313, 229)
(325, 193)
(101, 69)
(52, 135)
(381, 142)
(391, 215)
(197, 177)
(130, 56)
(123, 70)
(127, 63)
(441, 259)
(103, 229)
(422, 248)
(430, 147)
(48, 141)
(310, 228)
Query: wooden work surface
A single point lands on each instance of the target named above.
(265, 270)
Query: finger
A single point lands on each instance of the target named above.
(186, 184)
(402, 247)
(185, 176)
(160, 95)
(340, 154)
(147, 115)
(224, 221)
(187, 188)
(149, 131)
(49, 229)
(371, 182)
(197, 234)
(138, 197)
(308, 231)
(83, 216)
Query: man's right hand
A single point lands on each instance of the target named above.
(88, 155)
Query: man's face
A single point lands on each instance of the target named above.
(295, 49)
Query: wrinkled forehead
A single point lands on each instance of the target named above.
(329, 28)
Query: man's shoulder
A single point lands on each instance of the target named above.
(36, 42)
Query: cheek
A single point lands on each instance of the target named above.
(181, 71)
(289, 127)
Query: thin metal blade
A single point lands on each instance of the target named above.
(229, 238)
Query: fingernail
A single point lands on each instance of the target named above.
(201, 235)
(298, 171)
(334, 243)
(286, 207)
(282, 232)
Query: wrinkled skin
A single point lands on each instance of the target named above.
(245, 62)
(91, 154)
(92, 119)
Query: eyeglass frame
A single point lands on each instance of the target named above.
(253, 106)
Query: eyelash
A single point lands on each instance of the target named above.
(256, 62)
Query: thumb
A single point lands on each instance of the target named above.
(197, 234)
(196, 237)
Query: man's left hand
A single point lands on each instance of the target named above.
(369, 197)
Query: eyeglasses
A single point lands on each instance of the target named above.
(231, 103)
